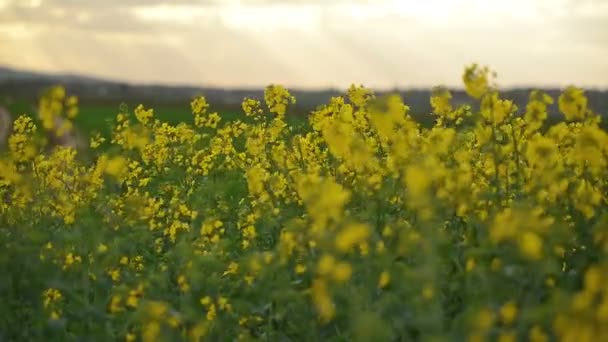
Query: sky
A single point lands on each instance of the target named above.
(310, 43)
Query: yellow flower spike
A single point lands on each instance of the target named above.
(115, 305)
(582, 301)
(102, 248)
(440, 101)
(507, 336)
(114, 274)
(342, 272)
(198, 331)
(484, 320)
(96, 140)
(211, 312)
(384, 279)
(537, 334)
(124, 260)
(470, 264)
(593, 279)
(475, 80)
(351, 235)
(223, 304)
(233, 268)
(573, 103)
(508, 312)
(116, 167)
(174, 321)
(496, 110)
(417, 181)
(277, 98)
(199, 105)
(531, 245)
(326, 264)
(143, 115)
(206, 301)
(150, 331)
(387, 232)
(182, 282)
(322, 300)
(359, 95)
(268, 257)
(602, 311)
(51, 295)
(428, 292)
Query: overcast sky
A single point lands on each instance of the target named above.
(310, 43)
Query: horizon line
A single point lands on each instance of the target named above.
(103, 79)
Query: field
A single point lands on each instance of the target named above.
(354, 223)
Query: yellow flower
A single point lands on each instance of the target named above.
(326, 264)
(593, 279)
(199, 105)
(531, 245)
(114, 273)
(417, 181)
(322, 300)
(508, 312)
(496, 110)
(211, 312)
(277, 98)
(475, 80)
(537, 335)
(384, 280)
(233, 267)
(102, 248)
(150, 331)
(351, 236)
(484, 320)
(428, 292)
(470, 264)
(573, 103)
(359, 95)
(507, 336)
(50, 296)
(198, 331)
(542, 152)
(116, 167)
(206, 301)
(143, 115)
(342, 272)
(156, 309)
(440, 101)
(96, 140)
(116, 304)
(182, 282)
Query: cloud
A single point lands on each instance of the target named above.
(310, 43)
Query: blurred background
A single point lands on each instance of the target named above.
(162, 53)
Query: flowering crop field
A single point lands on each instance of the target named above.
(363, 225)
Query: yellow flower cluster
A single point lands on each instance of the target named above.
(489, 225)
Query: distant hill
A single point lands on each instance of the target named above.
(9, 74)
(27, 85)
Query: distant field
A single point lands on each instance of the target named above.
(98, 117)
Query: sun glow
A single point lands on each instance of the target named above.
(305, 18)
